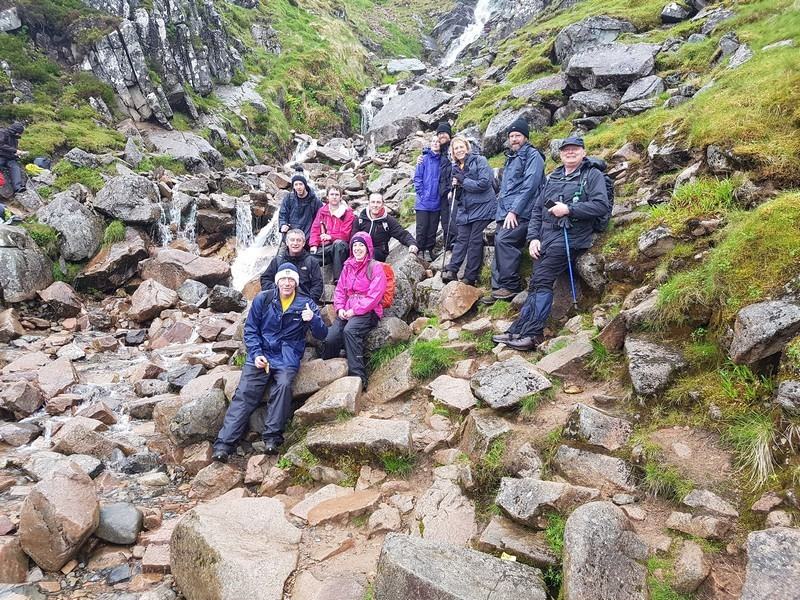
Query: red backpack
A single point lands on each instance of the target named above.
(388, 295)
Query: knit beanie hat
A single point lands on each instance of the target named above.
(287, 269)
(300, 178)
(520, 126)
(444, 127)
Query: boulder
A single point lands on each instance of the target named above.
(80, 229)
(393, 380)
(773, 564)
(548, 83)
(453, 393)
(502, 535)
(41, 465)
(342, 508)
(691, 568)
(217, 550)
(651, 366)
(564, 361)
(443, 514)
(525, 500)
(455, 300)
(656, 242)
(668, 155)
(787, 397)
(496, 134)
(20, 398)
(335, 399)
(603, 557)
(643, 88)
(56, 377)
(18, 434)
(149, 299)
(674, 13)
(214, 480)
(481, 429)
(61, 299)
(314, 375)
(24, 268)
(13, 561)
(172, 267)
(608, 473)
(132, 199)
(587, 34)
(706, 502)
(223, 299)
(592, 426)
(361, 435)
(400, 65)
(9, 21)
(10, 327)
(505, 384)
(614, 65)
(595, 102)
(704, 526)
(193, 292)
(399, 116)
(526, 462)
(411, 568)
(120, 523)
(79, 436)
(200, 419)
(114, 265)
(742, 55)
(191, 149)
(388, 331)
(58, 515)
(763, 329)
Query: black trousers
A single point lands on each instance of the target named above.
(249, 394)
(427, 224)
(14, 172)
(334, 255)
(469, 246)
(449, 226)
(508, 245)
(350, 335)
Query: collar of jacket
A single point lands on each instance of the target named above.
(511, 154)
(297, 305)
(287, 256)
(560, 173)
(379, 217)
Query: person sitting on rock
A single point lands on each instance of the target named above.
(357, 302)
(330, 231)
(307, 266)
(299, 208)
(428, 205)
(523, 175)
(10, 154)
(376, 221)
(573, 196)
(473, 186)
(275, 336)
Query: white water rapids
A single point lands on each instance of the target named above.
(483, 12)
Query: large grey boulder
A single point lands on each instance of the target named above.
(399, 116)
(651, 366)
(587, 34)
(189, 148)
(120, 523)
(643, 88)
(80, 228)
(608, 473)
(548, 83)
(114, 265)
(614, 65)
(172, 268)
(594, 102)
(361, 435)
(130, 198)
(525, 500)
(603, 556)
(505, 384)
(593, 426)
(400, 65)
(413, 568)
(335, 399)
(9, 19)
(218, 550)
(24, 268)
(674, 13)
(773, 564)
(388, 331)
(762, 329)
(496, 134)
(200, 419)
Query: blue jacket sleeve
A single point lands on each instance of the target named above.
(534, 175)
(535, 224)
(596, 203)
(419, 177)
(283, 213)
(252, 329)
(481, 179)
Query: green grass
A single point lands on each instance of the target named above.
(554, 533)
(430, 358)
(602, 364)
(665, 481)
(483, 342)
(239, 360)
(400, 465)
(381, 356)
(154, 161)
(752, 435)
(499, 310)
(45, 236)
(114, 232)
(68, 174)
(284, 463)
(702, 199)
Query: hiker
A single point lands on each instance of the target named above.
(330, 231)
(428, 204)
(523, 175)
(10, 154)
(299, 208)
(275, 336)
(562, 224)
(444, 134)
(473, 187)
(357, 301)
(376, 221)
(296, 253)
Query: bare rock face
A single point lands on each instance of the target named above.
(218, 550)
(172, 267)
(443, 514)
(773, 564)
(762, 329)
(114, 265)
(24, 269)
(80, 228)
(58, 515)
(149, 299)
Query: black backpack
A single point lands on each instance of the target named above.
(600, 223)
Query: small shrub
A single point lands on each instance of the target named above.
(398, 464)
(115, 232)
(69, 275)
(284, 463)
(430, 358)
(239, 360)
(483, 343)
(665, 481)
(602, 364)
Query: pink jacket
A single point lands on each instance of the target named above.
(338, 229)
(355, 290)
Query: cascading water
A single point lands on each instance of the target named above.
(368, 108)
(483, 12)
(244, 223)
(253, 259)
(175, 225)
(303, 151)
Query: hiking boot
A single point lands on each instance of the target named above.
(503, 294)
(503, 338)
(526, 343)
(488, 299)
(448, 276)
(220, 456)
(271, 448)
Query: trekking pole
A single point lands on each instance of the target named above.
(569, 265)
(449, 221)
(323, 229)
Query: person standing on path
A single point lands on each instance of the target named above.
(428, 204)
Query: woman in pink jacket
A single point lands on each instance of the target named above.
(357, 302)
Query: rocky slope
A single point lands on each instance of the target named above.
(648, 451)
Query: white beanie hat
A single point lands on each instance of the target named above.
(287, 269)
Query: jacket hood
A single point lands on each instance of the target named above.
(429, 152)
(366, 240)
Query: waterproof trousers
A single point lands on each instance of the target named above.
(427, 224)
(350, 334)
(334, 255)
(508, 245)
(469, 246)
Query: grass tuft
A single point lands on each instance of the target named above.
(381, 356)
(752, 436)
(400, 465)
(430, 358)
(115, 232)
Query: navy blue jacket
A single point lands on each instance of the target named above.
(477, 200)
(426, 182)
(299, 213)
(523, 176)
(584, 191)
(280, 336)
(307, 266)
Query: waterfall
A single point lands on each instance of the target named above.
(175, 225)
(251, 260)
(244, 223)
(483, 11)
(305, 149)
(368, 109)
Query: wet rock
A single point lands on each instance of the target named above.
(502, 535)
(453, 393)
(416, 568)
(10, 327)
(114, 265)
(525, 500)
(481, 429)
(393, 380)
(149, 299)
(704, 526)
(200, 419)
(651, 366)
(314, 375)
(608, 473)
(587, 34)
(197, 457)
(214, 480)
(496, 135)
(207, 561)
(120, 523)
(597, 428)
(58, 515)
(223, 299)
(130, 198)
(20, 398)
(643, 88)
(141, 462)
(399, 65)
(389, 331)
(24, 268)
(602, 555)
(61, 299)
(772, 564)
(151, 387)
(193, 292)
(705, 502)
(613, 64)
(762, 329)
(443, 514)
(172, 267)
(674, 13)
(80, 229)
(691, 568)
(505, 384)
(455, 300)
(56, 377)
(656, 242)
(361, 434)
(43, 464)
(339, 397)
(78, 437)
